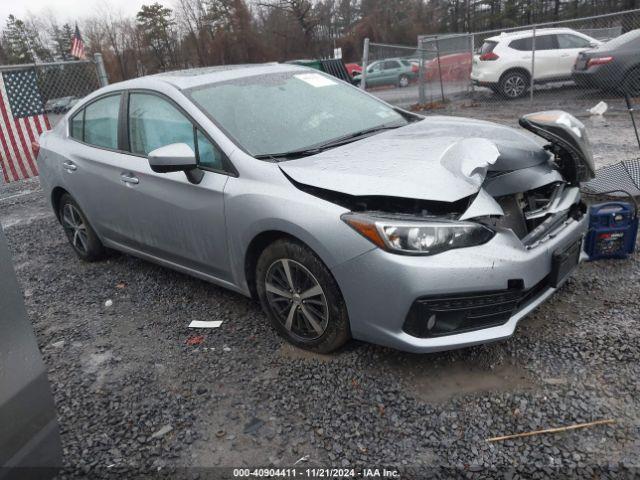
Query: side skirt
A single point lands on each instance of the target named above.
(175, 266)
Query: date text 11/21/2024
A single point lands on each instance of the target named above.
(317, 472)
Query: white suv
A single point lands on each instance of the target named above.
(504, 61)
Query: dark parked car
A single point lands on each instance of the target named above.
(29, 439)
(612, 65)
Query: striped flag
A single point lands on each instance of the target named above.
(77, 45)
(22, 120)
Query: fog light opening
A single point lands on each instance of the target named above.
(431, 322)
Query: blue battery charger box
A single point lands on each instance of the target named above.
(613, 228)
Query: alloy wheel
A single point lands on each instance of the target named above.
(75, 228)
(404, 81)
(514, 86)
(297, 299)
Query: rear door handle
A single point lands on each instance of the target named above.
(70, 166)
(129, 179)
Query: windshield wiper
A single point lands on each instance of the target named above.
(304, 152)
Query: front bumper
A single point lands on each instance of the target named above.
(380, 288)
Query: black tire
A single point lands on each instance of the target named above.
(403, 81)
(327, 309)
(82, 237)
(514, 84)
(631, 83)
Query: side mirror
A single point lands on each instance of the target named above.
(176, 157)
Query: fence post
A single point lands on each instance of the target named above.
(365, 62)
(533, 63)
(102, 73)
(439, 69)
(422, 78)
(473, 50)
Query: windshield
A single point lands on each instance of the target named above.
(288, 111)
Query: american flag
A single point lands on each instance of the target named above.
(77, 45)
(22, 120)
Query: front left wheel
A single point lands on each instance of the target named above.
(81, 236)
(301, 297)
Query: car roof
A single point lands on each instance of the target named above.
(391, 58)
(194, 77)
(529, 33)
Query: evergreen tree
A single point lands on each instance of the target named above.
(61, 39)
(15, 40)
(156, 23)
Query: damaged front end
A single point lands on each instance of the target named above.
(538, 202)
(507, 183)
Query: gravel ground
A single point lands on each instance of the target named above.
(134, 397)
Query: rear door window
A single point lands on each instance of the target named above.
(100, 122)
(546, 42)
(391, 64)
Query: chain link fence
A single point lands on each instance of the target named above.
(572, 64)
(33, 98)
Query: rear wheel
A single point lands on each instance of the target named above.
(403, 81)
(81, 236)
(631, 83)
(301, 298)
(514, 84)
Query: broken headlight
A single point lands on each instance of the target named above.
(418, 237)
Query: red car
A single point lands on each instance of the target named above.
(455, 66)
(353, 69)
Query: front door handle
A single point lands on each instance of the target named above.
(129, 179)
(70, 166)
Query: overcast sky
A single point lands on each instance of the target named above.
(68, 10)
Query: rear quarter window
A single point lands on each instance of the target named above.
(76, 125)
(487, 47)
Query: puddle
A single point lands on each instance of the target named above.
(24, 217)
(289, 351)
(441, 382)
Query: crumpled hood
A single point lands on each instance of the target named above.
(438, 158)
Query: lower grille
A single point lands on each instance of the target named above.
(452, 314)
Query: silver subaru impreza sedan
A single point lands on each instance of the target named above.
(345, 217)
